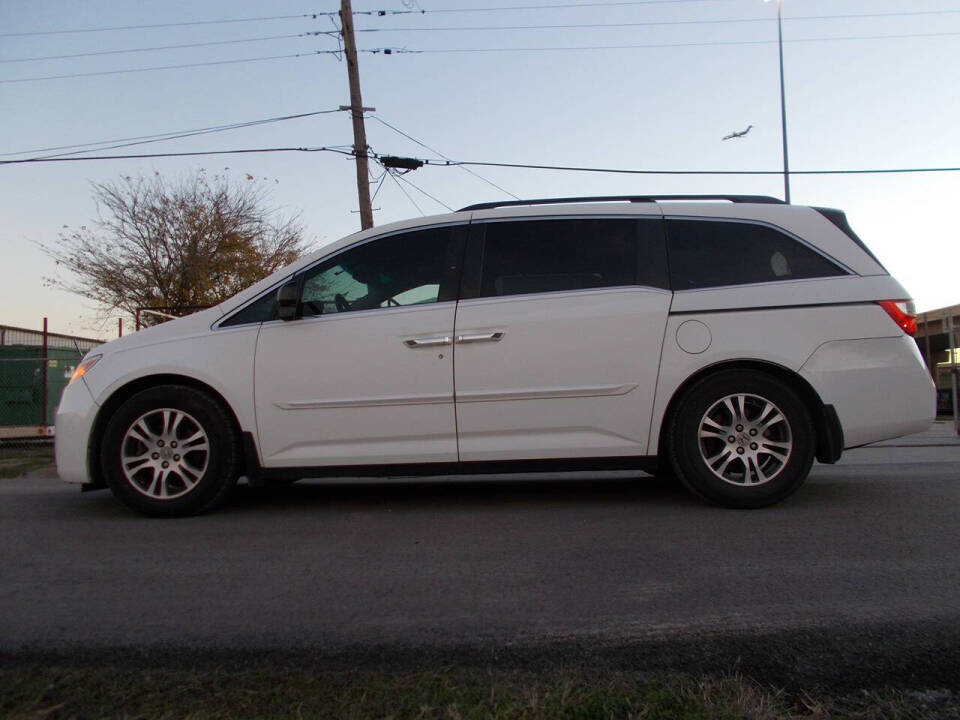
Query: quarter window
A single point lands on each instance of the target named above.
(711, 253)
(537, 256)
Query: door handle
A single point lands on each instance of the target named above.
(428, 341)
(494, 336)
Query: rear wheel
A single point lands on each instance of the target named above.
(741, 439)
(170, 450)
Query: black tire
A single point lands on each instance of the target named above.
(143, 435)
(743, 464)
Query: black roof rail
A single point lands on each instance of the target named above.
(763, 199)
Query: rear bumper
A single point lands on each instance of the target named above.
(75, 416)
(879, 387)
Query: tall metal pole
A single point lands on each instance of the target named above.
(356, 111)
(783, 108)
(43, 378)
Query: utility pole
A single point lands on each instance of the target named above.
(356, 112)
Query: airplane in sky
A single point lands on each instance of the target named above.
(738, 134)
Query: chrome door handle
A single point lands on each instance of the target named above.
(494, 336)
(428, 341)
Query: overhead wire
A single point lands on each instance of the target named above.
(432, 162)
(158, 47)
(421, 190)
(653, 23)
(33, 33)
(427, 147)
(173, 135)
(644, 46)
(505, 8)
(333, 148)
(626, 171)
(170, 67)
(414, 202)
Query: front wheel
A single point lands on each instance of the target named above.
(170, 450)
(741, 439)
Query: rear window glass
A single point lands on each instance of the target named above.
(713, 253)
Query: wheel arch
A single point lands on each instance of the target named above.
(128, 390)
(829, 432)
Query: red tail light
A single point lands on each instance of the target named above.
(904, 314)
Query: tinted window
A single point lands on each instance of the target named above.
(551, 255)
(410, 269)
(710, 253)
(262, 309)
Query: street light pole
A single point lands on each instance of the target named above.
(783, 108)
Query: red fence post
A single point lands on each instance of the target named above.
(43, 378)
(120, 327)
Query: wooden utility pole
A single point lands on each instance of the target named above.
(356, 111)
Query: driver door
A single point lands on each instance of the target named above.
(364, 375)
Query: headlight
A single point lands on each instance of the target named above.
(84, 367)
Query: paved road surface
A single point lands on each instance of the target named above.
(869, 543)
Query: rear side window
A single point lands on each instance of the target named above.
(713, 253)
(536, 256)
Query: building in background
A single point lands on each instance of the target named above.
(934, 339)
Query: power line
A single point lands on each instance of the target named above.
(160, 137)
(427, 147)
(394, 177)
(439, 202)
(160, 25)
(171, 67)
(656, 23)
(719, 43)
(333, 149)
(623, 171)
(158, 47)
(525, 166)
(561, 6)
(407, 51)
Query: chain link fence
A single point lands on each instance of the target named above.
(35, 366)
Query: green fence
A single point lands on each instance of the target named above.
(28, 395)
(35, 366)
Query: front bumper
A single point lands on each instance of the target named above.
(75, 416)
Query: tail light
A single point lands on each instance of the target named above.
(904, 314)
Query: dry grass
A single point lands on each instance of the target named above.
(82, 692)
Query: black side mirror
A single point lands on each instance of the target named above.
(288, 298)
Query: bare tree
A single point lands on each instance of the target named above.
(177, 244)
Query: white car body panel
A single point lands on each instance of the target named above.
(572, 376)
(345, 388)
(865, 379)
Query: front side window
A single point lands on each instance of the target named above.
(714, 253)
(413, 268)
(535, 256)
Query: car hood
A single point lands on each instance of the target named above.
(190, 325)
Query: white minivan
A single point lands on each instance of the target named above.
(726, 340)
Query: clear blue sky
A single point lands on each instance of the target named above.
(864, 103)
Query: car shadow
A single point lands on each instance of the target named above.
(469, 491)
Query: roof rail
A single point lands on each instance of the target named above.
(764, 199)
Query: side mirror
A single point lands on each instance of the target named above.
(288, 297)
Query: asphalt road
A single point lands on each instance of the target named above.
(616, 559)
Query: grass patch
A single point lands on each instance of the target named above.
(16, 462)
(45, 691)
